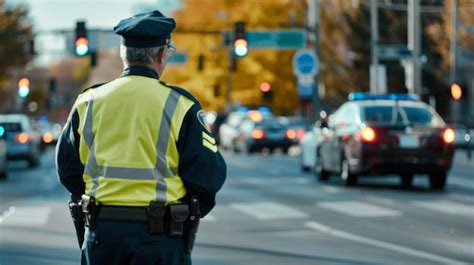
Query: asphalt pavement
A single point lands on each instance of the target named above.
(270, 213)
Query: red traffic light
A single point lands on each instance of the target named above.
(456, 91)
(24, 82)
(265, 87)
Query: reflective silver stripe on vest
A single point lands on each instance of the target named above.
(162, 145)
(159, 173)
(91, 168)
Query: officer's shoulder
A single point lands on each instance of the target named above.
(181, 91)
(92, 87)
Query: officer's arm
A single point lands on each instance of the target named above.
(68, 163)
(201, 166)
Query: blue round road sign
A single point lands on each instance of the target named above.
(305, 62)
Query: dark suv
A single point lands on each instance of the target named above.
(386, 134)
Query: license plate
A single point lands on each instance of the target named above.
(409, 141)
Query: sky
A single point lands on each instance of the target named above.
(47, 15)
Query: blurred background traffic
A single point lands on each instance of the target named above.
(306, 99)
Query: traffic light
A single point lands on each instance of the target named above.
(81, 41)
(240, 42)
(23, 87)
(266, 90)
(456, 91)
(200, 62)
(52, 85)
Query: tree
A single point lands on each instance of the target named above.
(15, 36)
(258, 66)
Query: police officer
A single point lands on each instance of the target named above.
(136, 150)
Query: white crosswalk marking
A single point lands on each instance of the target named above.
(27, 216)
(209, 218)
(269, 210)
(359, 209)
(449, 207)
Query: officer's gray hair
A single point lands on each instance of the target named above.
(131, 55)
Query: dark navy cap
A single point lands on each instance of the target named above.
(145, 30)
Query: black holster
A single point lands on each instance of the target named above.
(77, 216)
(191, 225)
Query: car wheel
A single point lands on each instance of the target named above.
(438, 180)
(235, 148)
(322, 174)
(347, 177)
(406, 180)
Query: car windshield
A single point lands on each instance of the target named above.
(270, 124)
(11, 126)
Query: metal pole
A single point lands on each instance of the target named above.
(316, 102)
(228, 98)
(453, 44)
(452, 54)
(414, 44)
(374, 24)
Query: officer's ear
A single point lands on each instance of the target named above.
(162, 58)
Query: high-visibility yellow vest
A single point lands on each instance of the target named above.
(128, 133)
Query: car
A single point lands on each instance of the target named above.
(309, 144)
(229, 129)
(296, 128)
(255, 135)
(22, 141)
(3, 156)
(386, 134)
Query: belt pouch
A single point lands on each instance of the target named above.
(89, 208)
(156, 212)
(179, 213)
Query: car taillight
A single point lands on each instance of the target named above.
(448, 135)
(22, 138)
(290, 134)
(258, 134)
(47, 138)
(300, 134)
(367, 134)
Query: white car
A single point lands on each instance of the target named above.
(308, 146)
(22, 141)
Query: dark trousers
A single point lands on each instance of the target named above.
(113, 243)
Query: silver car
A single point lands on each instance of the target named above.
(21, 140)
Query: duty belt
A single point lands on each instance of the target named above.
(160, 218)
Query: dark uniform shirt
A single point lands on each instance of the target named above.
(203, 172)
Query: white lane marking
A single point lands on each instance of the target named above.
(382, 200)
(7, 213)
(448, 207)
(380, 244)
(269, 210)
(27, 216)
(332, 190)
(359, 209)
(465, 183)
(301, 180)
(209, 218)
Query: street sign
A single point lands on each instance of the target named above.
(305, 63)
(393, 51)
(305, 90)
(276, 39)
(178, 58)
